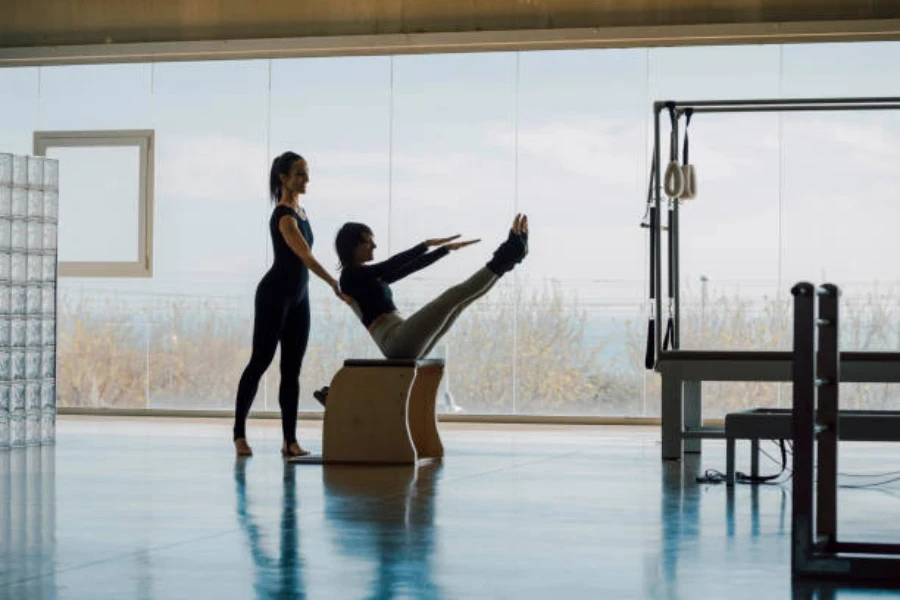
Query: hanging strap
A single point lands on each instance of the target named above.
(688, 113)
(671, 257)
(650, 355)
(668, 342)
(673, 136)
(743, 478)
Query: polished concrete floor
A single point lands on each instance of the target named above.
(159, 508)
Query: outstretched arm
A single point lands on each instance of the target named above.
(423, 261)
(416, 264)
(385, 268)
(296, 242)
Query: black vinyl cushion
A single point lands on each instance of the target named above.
(403, 362)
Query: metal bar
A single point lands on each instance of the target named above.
(866, 548)
(788, 101)
(828, 367)
(803, 420)
(675, 232)
(656, 233)
(671, 254)
(670, 239)
(831, 108)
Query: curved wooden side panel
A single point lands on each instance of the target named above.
(366, 416)
(422, 417)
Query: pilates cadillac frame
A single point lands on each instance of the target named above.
(684, 371)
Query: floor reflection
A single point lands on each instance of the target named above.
(386, 514)
(680, 521)
(28, 522)
(278, 576)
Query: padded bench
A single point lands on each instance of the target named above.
(383, 411)
(776, 424)
(684, 371)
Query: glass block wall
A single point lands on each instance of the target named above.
(29, 209)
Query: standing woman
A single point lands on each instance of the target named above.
(282, 304)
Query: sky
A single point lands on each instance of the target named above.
(434, 145)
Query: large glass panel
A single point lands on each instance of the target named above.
(212, 223)
(19, 114)
(99, 203)
(454, 173)
(102, 324)
(730, 233)
(841, 212)
(102, 347)
(426, 146)
(582, 171)
(714, 72)
(81, 97)
(335, 112)
(841, 70)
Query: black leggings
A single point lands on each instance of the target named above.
(281, 318)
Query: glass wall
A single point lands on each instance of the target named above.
(582, 159)
(434, 145)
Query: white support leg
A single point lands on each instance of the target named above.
(693, 417)
(672, 415)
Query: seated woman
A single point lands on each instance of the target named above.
(369, 286)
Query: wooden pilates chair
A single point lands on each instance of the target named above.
(383, 411)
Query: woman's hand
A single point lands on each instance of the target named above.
(335, 286)
(458, 245)
(440, 241)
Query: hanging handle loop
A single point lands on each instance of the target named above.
(673, 183)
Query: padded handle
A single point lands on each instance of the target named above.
(650, 358)
(674, 180)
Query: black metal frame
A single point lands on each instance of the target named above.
(816, 551)
(656, 181)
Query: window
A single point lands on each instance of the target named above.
(106, 202)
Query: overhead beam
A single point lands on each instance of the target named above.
(485, 41)
(51, 23)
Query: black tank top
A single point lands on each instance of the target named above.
(369, 285)
(288, 269)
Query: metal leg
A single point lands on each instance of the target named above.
(754, 458)
(729, 511)
(803, 423)
(672, 413)
(692, 414)
(828, 371)
(729, 461)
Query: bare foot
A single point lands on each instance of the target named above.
(242, 447)
(293, 450)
